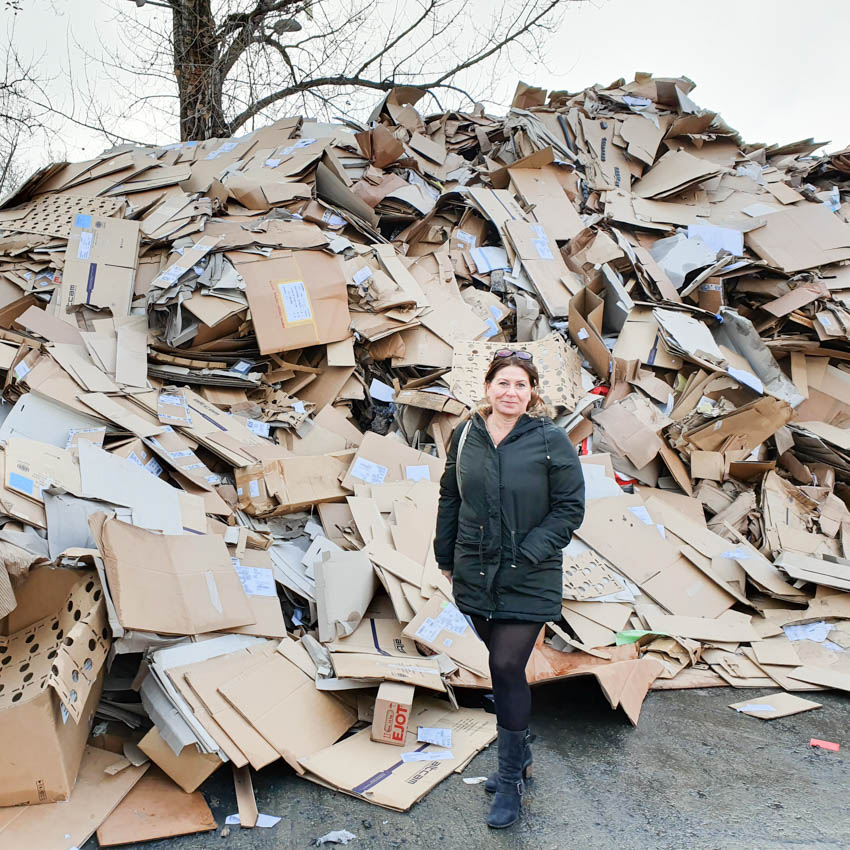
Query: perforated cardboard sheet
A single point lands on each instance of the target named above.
(56, 647)
(558, 364)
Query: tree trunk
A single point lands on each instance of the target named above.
(196, 67)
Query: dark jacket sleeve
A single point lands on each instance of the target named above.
(448, 509)
(566, 500)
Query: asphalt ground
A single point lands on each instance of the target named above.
(694, 775)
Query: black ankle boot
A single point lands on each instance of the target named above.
(509, 786)
(491, 785)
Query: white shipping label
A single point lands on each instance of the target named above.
(72, 432)
(261, 429)
(212, 589)
(332, 219)
(154, 467)
(429, 630)
(21, 370)
(168, 398)
(582, 333)
(84, 251)
(298, 407)
(134, 458)
(495, 312)
(362, 275)
(254, 488)
(755, 706)
(366, 470)
(296, 303)
(463, 236)
(173, 273)
(452, 620)
(434, 735)
(542, 248)
(256, 581)
(417, 473)
(442, 755)
(272, 163)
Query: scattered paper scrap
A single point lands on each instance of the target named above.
(824, 745)
(775, 705)
(265, 821)
(338, 836)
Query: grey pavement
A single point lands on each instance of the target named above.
(694, 775)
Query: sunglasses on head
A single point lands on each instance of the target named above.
(509, 352)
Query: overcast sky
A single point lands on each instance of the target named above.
(775, 69)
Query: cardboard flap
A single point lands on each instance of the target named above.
(171, 584)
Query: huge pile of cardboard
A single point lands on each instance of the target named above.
(232, 370)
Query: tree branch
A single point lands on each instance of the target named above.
(389, 46)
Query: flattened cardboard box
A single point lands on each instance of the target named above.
(296, 299)
(288, 484)
(170, 583)
(441, 627)
(383, 459)
(418, 671)
(205, 677)
(255, 571)
(51, 686)
(379, 774)
(32, 466)
(281, 702)
(189, 769)
(100, 266)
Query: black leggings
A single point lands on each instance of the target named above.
(510, 644)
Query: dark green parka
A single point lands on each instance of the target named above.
(521, 502)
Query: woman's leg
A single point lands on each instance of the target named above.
(510, 646)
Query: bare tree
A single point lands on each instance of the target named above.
(234, 61)
(20, 116)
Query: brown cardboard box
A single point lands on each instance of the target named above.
(383, 459)
(297, 299)
(364, 768)
(70, 823)
(282, 703)
(178, 584)
(392, 713)
(100, 266)
(57, 635)
(188, 770)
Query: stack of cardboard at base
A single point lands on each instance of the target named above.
(232, 369)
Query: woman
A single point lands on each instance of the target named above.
(510, 498)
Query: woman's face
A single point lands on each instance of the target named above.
(509, 393)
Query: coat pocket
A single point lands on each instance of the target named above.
(469, 533)
(469, 553)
